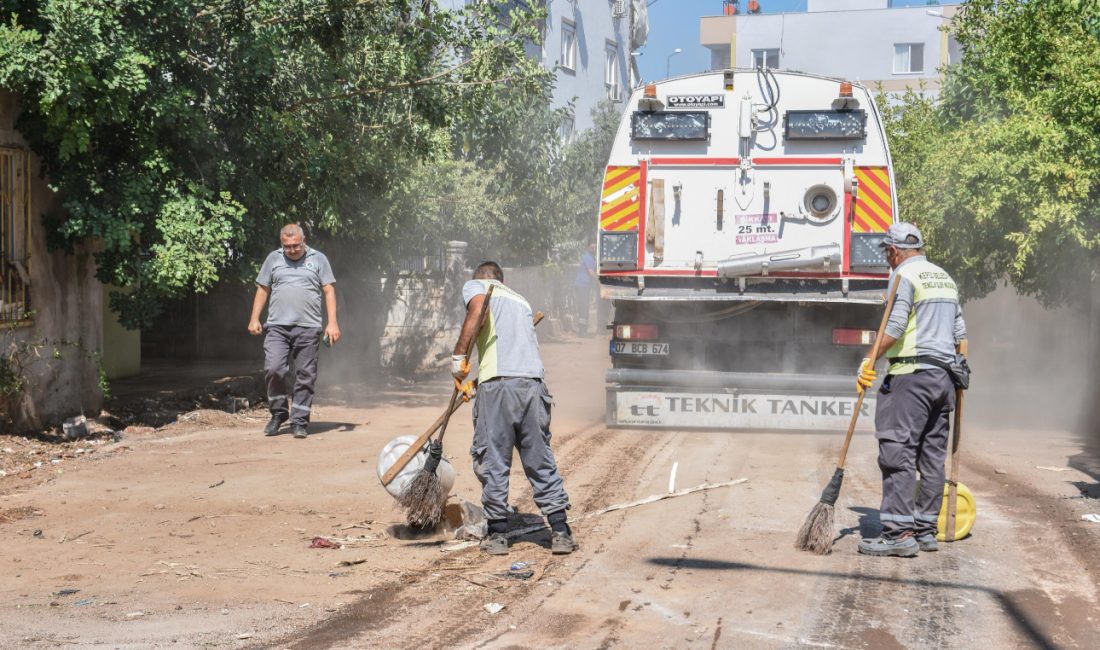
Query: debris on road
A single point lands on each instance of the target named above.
(75, 428)
(221, 482)
(67, 592)
(66, 538)
(493, 608)
(1091, 517)
(1053, 469)
(658, 497)
(324, 542)
(351, 562)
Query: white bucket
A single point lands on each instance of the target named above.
(393, 450)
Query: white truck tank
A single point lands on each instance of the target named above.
(738, 234)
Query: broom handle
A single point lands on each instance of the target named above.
(953, 482)
(452, 406)
(874, 358)
(419, 443)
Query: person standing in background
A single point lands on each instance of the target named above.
(297, 279)
(583, 282)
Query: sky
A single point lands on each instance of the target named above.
(675, 24)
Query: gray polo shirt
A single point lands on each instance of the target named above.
(296, 297)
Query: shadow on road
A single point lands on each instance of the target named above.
(325, 427)
(869, 524)
(1015, 612)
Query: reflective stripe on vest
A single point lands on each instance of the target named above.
(930, 282)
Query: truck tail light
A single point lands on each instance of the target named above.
(636, 332)
(853, 337)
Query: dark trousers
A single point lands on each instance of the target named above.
(514, 413)
(912, 421)
(281, 344)
(583, 296)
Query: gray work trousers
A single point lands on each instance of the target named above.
(281, 344)
(912, 420)
(514, 413)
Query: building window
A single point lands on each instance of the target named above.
(611, 72)
(768, 58)
(568, 129)
(908, 58)
(568, 44)
(15, 211)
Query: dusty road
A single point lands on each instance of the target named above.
(199, 535)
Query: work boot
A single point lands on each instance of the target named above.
(927, 543)
(495, 544)
(562, 543)
(904, 546)
(299, 430)
(272, 428)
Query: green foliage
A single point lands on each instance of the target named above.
(514, 200)
(182, 133)
(1003, 173)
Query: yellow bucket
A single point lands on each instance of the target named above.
(966, 513)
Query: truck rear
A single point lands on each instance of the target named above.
(739, 224)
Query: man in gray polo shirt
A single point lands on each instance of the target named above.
(512, 409)
(294, 278)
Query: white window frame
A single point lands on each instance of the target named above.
(611, 70)
(908, 49)
(568, 45)
(568, 129)
(765, 52)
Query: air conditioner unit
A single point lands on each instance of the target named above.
(618, 9)
(615, 93)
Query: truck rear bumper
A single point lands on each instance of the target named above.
(684, 399)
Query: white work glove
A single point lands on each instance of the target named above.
(866, 375)
(460, 366)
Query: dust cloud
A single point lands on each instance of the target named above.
(1029, 364)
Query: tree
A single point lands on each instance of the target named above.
(513, 195)
(182, 132)
(1003, 173)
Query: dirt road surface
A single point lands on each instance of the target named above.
(198, 535)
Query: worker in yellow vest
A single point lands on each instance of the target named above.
(917, 396)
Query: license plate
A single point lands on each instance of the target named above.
(628, 347)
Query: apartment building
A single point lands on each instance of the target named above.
(588, 44)
(870, 41)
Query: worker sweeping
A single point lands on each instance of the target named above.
(512, 409)
(915, 401)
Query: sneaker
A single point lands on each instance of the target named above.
(562, 543)
(927, 543)
(885, 547)
(495, 544)
(299, 430)
(272, 428)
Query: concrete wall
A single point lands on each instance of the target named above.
(121, 347)
(401, 323)
(67, 302)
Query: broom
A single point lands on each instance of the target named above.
(816, 534)
(422, 499)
